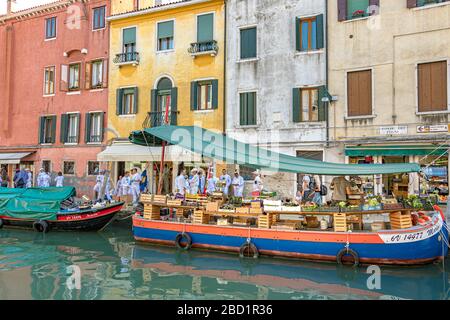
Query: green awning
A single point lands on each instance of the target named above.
(220, 147)
(406, 150)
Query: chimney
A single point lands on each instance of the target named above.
(136, 5)
(8, 6)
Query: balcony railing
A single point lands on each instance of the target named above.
(72, 139)
(127, 58)
(157, 119)
(95, 138)
(204, 48)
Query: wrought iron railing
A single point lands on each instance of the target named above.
(157, 119)
(95, 138)
(72, 139)
(203, 47)
(127, 57)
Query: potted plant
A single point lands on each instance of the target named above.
(358, 13)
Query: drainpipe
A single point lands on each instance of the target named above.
(326, 75)
(225, 67)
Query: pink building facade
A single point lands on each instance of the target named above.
(53, 89)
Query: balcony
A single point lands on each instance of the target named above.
(204, 48)
(127, 58)
(95, 138)
(156, 119)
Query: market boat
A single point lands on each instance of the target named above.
(45, 209)
(404, 243)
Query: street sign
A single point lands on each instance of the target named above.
(433, 128)
(393, 130)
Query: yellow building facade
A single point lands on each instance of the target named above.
(165, 57)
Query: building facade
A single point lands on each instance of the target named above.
(389, 75)
(53, 89)
(166, 57)
(276, 79)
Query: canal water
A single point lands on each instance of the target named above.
(112, 266)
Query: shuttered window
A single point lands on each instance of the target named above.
(205, 27)
(352, 9)
(248, 43)
(127, 101)
(309, 32)
(204, 95)
(98, 17)
(94, 127)
(49, 80)
(247, 109)
(47, 129)
(432, 86)
(359, 93)
(50, 28)
(165, 35)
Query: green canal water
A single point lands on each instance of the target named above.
(113, 266)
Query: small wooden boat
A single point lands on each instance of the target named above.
(43, 209)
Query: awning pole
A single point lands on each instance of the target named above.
(161, 167)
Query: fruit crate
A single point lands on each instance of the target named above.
(265, 221)
(174, 202)
(160, 199)
(243, 210)
(340, 222)
(200, 217)
(145, 197)
(400, 220)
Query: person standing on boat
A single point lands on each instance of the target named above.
(166, 179)
(194, 182)
(180, 184)
(238, 185)
(98, 184)
(30, 178)
(339, 186)
(211, 188)
(125, 184)
(201, 182)
(225, 178)
(135, 185)
(257, 183)
(59, 180)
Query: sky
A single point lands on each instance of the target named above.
(22, 4)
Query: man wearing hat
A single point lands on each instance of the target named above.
(238, 184)
(194, 182)
(135, 185)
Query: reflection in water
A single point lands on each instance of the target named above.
(34, 266)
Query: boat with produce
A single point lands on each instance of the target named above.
(52, 209)
(398, 233)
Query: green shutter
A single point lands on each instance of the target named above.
(205, 27)
(78, 127)
(136, 101)
(41, 129)
(296, 105)
(165, 29)
(119, 101)
(63, 133)
(251, 108)
(242, 110)
(129, 35)
(323, 110)
(102, 126)
(297, 35)
(87, 130)
(173, 106)
(154, 100)
(319, 30)
(194, 100)
(215, 94)
(53, 129)
(248, 43)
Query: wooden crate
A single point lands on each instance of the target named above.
(223, 222)
(340, 222)
(256, 210)
(243, 210)
(264, 221)
(200, 217)
(256, 204)
(145, 197)
(160, 199)
(286, 226)
(212, 206)
(174, 202)
(400, 220)
(149, 208)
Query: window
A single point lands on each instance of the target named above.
(165, 35)
(308, 105)
(47, 129)
(205, 27)
(93, 167)
(129, 44)
(421, 3)
(127, 101)
(47, 165)
(69, 167)
(97, 74)
(49, 80)
(309, 33)
(74, 77)
(248, 43)
(432, 86)
(50, 28)
(98, 18)
(247, 109)
(204, 95)
(94, 127)
(359, 93)
(352, 9)
(70, 124)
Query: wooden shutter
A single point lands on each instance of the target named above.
(102, 126)
(105, 73)
(298, 45)
(53, 129)
(296, 105)
(78, 126)
(64, 83)
(251, 108)
(248, 43)
(194, 100)
(342, 10)
(87, 130)
(432, 86)
(136, 100)
(243, 109)
(173, 106)
(119, 101)
(215, 94)
(205, 27)
(411, 3)
(359, 93)
(319, 32)
(323, 110)
(87, 75)
(41, 129)
(64, 123)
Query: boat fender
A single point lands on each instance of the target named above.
(347, 252)
(187, 238)
(41, 226)
(248, 249)
(438, 209)
(1, 223)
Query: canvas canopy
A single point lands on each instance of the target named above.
(33, 203)
(220, 147)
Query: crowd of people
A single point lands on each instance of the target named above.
(23, 178)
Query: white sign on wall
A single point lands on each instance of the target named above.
(433, 128)
(393, 130)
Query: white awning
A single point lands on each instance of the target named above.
(127, 151)
(12, 158)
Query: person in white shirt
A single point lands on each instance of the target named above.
(225, 177)
(238, 185)
(59, 180)
(125, 184)
(30, 178)
(181, 184)
(118, 191)
(108, 187)
(257, 183)
(194, 182)
(43, 179)
(98, 184)
(211, 188)
(135, 185)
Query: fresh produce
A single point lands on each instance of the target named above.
(342, 204)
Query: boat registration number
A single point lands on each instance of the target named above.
(412, 236)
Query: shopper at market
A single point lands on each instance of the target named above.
(20, 178)
(212, 181)
(98, 184)
(316, 186)
(180, 184)
(135, 185)
(43, 179)
(339, 186)
(194, 182)
(238, 184)
(201, 181)
(118, 191)
(257, 183)
(59, 180)
(226, 179)
(125, 184)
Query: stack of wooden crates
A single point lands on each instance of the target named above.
(200, 217)
(400, 220)
(152, 206)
